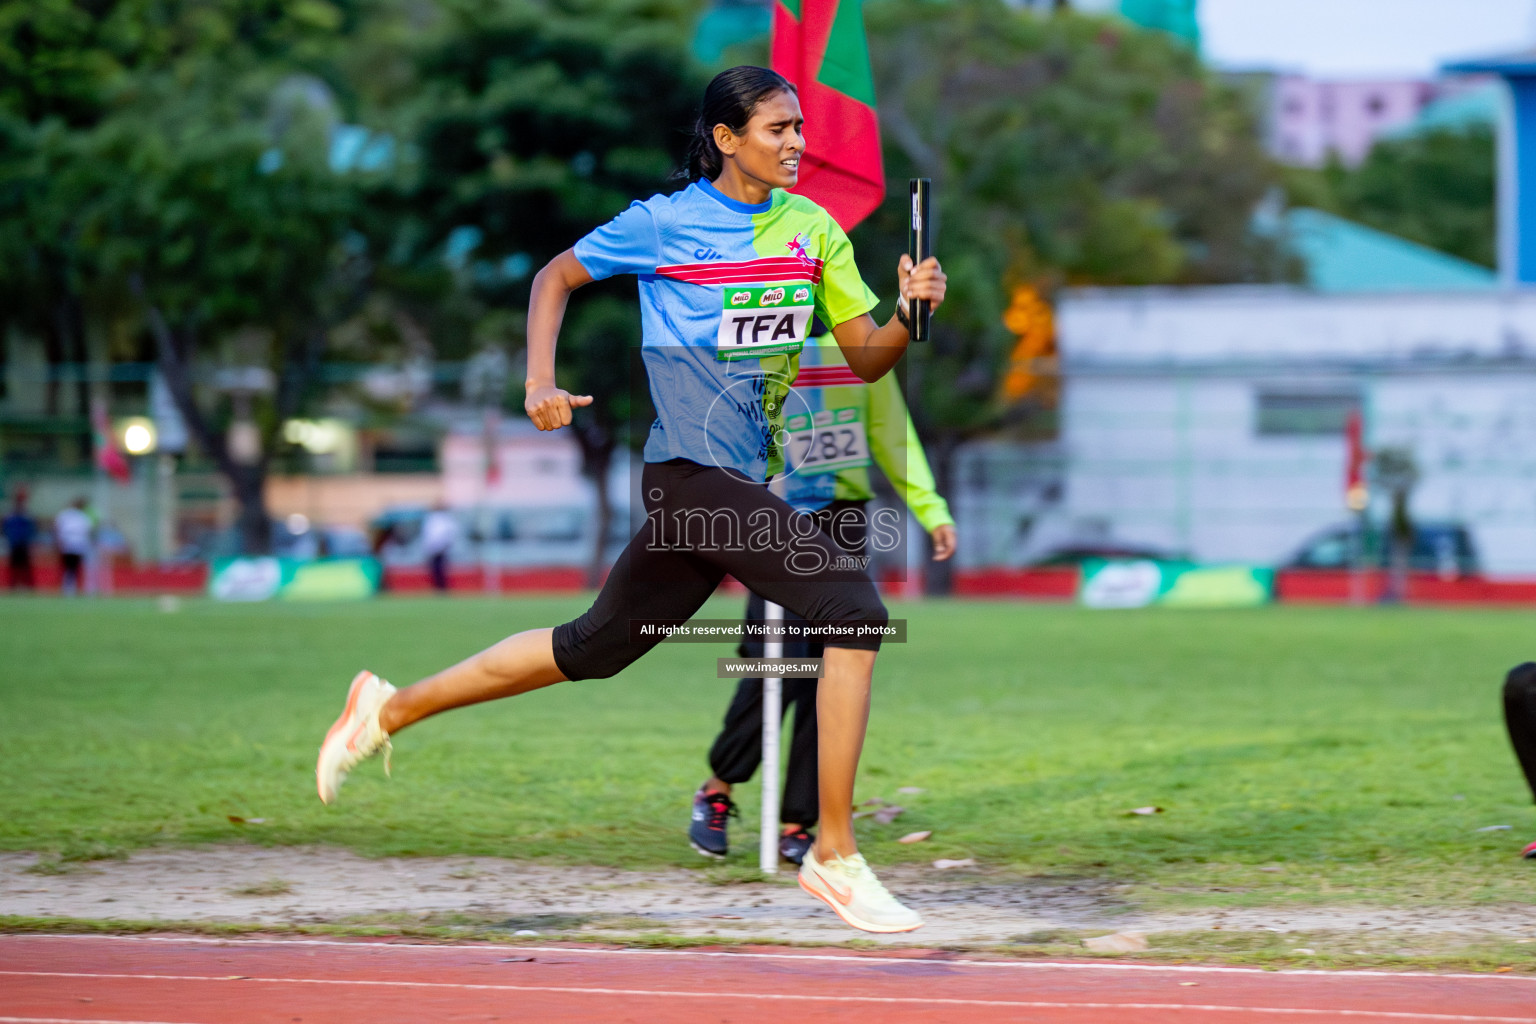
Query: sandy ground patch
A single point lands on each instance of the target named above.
(297, 886)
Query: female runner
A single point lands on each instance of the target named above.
(732, 269)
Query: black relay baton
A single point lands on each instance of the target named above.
(919, 247)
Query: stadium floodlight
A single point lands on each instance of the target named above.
(138, 435)
(318, 437)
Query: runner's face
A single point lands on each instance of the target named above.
(768, 151)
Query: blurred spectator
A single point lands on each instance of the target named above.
(20, 531)
(438, 532)
(381, 536)
(72, 536)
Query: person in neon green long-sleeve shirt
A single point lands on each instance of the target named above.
(837, 425)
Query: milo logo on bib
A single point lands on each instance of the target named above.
(765, 321)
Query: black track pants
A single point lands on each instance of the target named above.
(1520, 716)
(702, 523)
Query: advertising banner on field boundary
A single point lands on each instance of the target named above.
(292, 579)
(1142, 583)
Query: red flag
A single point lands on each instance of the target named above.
(107, 457)
(820, 46)
(1355, 494)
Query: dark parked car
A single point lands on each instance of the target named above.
(1442, 548)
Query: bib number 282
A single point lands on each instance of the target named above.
(833, 440)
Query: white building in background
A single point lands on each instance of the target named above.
(535, 508)
(1211, 421)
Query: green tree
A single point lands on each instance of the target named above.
(1435, 188)
(172, 179)
(1064, 149)
(41, 292)
(601, 337)
(64, 60)
(61, 64)
(533, 123)
(236, 263)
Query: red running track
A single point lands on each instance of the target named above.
(172, 980)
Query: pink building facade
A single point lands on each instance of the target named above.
(1312, 119)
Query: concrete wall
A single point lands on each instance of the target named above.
(1285, 329)
(1177, 463)
(1160, 425)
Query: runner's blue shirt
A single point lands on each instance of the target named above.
(727, 293)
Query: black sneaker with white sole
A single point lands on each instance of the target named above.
(792, 845)
(706, 832)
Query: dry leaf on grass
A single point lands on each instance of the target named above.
(888, 813)
(1492, 828)
(1119, 942)
(914, 837)
(945, 865)
(235, 819)
(911, 790)
(1145, 810)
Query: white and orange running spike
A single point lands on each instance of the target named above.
(355, 737)
(854, 893)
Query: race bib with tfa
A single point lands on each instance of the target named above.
(764, 321)
(832, 440)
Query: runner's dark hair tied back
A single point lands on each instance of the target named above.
(730, 99)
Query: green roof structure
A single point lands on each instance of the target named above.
(1176, 17)
(1461, 112)
(727, 23)
(1341, 256)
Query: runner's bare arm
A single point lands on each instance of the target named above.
(871, 350)
(547, 405)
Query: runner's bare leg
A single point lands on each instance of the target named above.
(842, 715)
(522, 662)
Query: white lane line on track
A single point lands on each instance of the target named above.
(1069, 965)
(1021, 1004)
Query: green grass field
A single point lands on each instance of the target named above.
(1300, 754)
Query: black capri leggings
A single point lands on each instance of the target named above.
(1520, 717)
(703, 522)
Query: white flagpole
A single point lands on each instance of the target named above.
(773, 713)
(773, 707)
